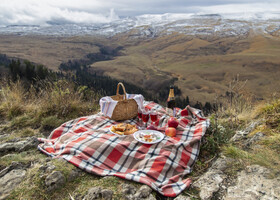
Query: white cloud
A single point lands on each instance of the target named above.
(237, 8)
(244, 11)
(38, 12)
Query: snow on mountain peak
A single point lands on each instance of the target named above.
(150, 25)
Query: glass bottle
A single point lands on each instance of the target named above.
(171, 102)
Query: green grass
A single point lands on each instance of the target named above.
(23, 157)
(273, 141)
(34, 187)
(51, 122)
(266, 151)
(263, 156)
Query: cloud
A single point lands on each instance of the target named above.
(40, 12)
(33, 12)
(238, 8)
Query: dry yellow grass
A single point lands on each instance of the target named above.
(47, 108)
(49, 51)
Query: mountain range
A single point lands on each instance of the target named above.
(201, 54)
(158, 25)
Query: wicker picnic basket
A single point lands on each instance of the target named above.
(125, 108)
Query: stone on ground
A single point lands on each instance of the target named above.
(10, 180)
(254, 183)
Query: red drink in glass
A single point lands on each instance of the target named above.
(153, 117)
(139, 115)
(145, 117)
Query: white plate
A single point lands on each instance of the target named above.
(159, 136)
(110, 129)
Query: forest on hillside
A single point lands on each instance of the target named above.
(79, 72)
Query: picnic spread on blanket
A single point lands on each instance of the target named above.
(89, 143)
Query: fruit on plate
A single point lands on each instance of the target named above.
(184, 112)
(173, 122)
(170, 131)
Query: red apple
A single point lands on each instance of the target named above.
(170, 131)
(173, 122)
(184, 112)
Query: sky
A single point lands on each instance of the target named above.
(40, 12)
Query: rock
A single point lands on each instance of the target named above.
(3, 136)
(93, 193)
(11, 146)
(47, 168)
(4, 171)
(10, 180)
(31, 142)
(43, 168)
(248, 143)
(222, 163)
(79, 197)
(242, 134)
(143, 192)
(150, 197)
(210, 182)
(50, 168)
(128, 191)
(181, 197)
(23, 145)
(254, 183)
(14, 140)
(55, 180)
(74, 174)
(107, 194)
(14, 165)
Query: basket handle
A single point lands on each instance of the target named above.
(120, 84)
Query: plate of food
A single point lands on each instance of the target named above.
(123, 129)
(148, 136)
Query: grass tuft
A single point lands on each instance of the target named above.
(262, 156)
(23, 157)
(50, 122)
(45, 106)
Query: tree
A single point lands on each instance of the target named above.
(207, 108)
(15, 70)
(29, 70)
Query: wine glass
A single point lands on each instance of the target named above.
(145, 117)
(140, 116)
(154, 116)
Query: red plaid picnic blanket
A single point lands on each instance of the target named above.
(87, 143)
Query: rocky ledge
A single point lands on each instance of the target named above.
(223, 180)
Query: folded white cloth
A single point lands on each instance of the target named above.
(107, 104)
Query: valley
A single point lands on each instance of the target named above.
(202, 65)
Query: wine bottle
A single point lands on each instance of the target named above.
(171, 102)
